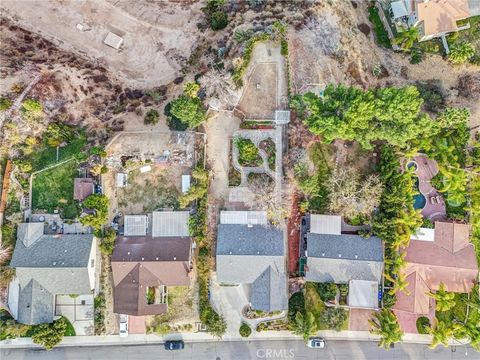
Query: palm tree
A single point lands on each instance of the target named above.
(396, 262)
(444, 300)
(305, 325)
(407, 38)
(385, 324)
(400, 283)
(442, 332)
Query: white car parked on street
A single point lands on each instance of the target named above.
(316, 343)
(123, 325)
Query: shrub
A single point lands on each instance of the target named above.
(50, 335)
(248, 152)
(245, 330)
(107, 242)
(5, 103)
(296, 303)
(461, 52)
(423, 324)
(343, 288)
(98, 203)
(173, 122)
(191, 89)
(334, 317)
(284, 47)
(389, 300)
(416, 56)
(218, 20)
(152, 117)
(380, 32)
(327, 291)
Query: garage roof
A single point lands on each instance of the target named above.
(170, 223)
(363, 294)
(326, 224)
(113, 40)
(244, 217)
(135, 225)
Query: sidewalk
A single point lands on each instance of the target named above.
(115, 340)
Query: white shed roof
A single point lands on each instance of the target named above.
(399, 9)
(135, 225)
(113, 40)
(282, 116)
(244, 217)
(424, 234)
(170, 223)
(122, 179)
(185, 183)
(363, 294)
(326, 224)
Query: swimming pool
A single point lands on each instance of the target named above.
(419, 199)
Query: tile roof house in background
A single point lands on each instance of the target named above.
(250, 252)
(145, 262)
(434, 18)
(83, 188)
(446, 257)
(343, 258)
(48, 266)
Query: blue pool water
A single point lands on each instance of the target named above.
(419, 199)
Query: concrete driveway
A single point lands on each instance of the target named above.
(229, 301)
(78, 310)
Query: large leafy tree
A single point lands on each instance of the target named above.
(444, 300)
(189, 110)
(99, 204)
(304, 325)
(441, 333)
(407, 38)
(384, 323)
(349, 113)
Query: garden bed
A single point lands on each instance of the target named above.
(256, 125)
(268, 145)
(248, 154)
(250, 313)
(274, 325)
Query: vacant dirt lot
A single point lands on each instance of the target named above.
(158, 36)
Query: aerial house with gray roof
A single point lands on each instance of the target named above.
(344, 259)
(49, 266)
(251, 252)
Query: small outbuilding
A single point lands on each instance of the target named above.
(122, 179)
(113, 40)
(83, 188)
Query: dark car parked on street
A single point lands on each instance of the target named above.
(174, 345)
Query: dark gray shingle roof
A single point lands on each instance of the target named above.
(54, 251)
(233, 239)
(269, 291)
(349, 247)
(35, 304)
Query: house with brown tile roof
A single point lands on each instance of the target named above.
(448, 257)
(82, 188)
(144, 267)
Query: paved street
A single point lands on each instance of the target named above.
(244, 350)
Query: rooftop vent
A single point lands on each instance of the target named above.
(143, 258)
(174, 258)
(339, 255)
(356, 256)
(156, 258)
(128, 253)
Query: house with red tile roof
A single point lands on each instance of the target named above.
(444, 255)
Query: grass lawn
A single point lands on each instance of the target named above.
(48, 156)
(70, 331)
(53, 189)
(381, 34)
(316, 306)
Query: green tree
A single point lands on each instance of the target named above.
(32, 109)
(188, 110)
(461, 52)
(444, 300)
(151, 117)
(5, 103)
(305, 325)
(441, 333)
(58, 133)
(385, 324)
(50, 335)
(218, 20)
(197, 190)
(191, 89)
(107, 241)
(99, 204)
(407, 38)
(387, 114)
(245, 330)
(327, 291)
(452, 118)
(334, 317)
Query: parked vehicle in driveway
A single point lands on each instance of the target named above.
(123, 325)
(174, 345)
(316, 343)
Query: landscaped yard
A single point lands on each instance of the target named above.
(381, 34)
(53, 190)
